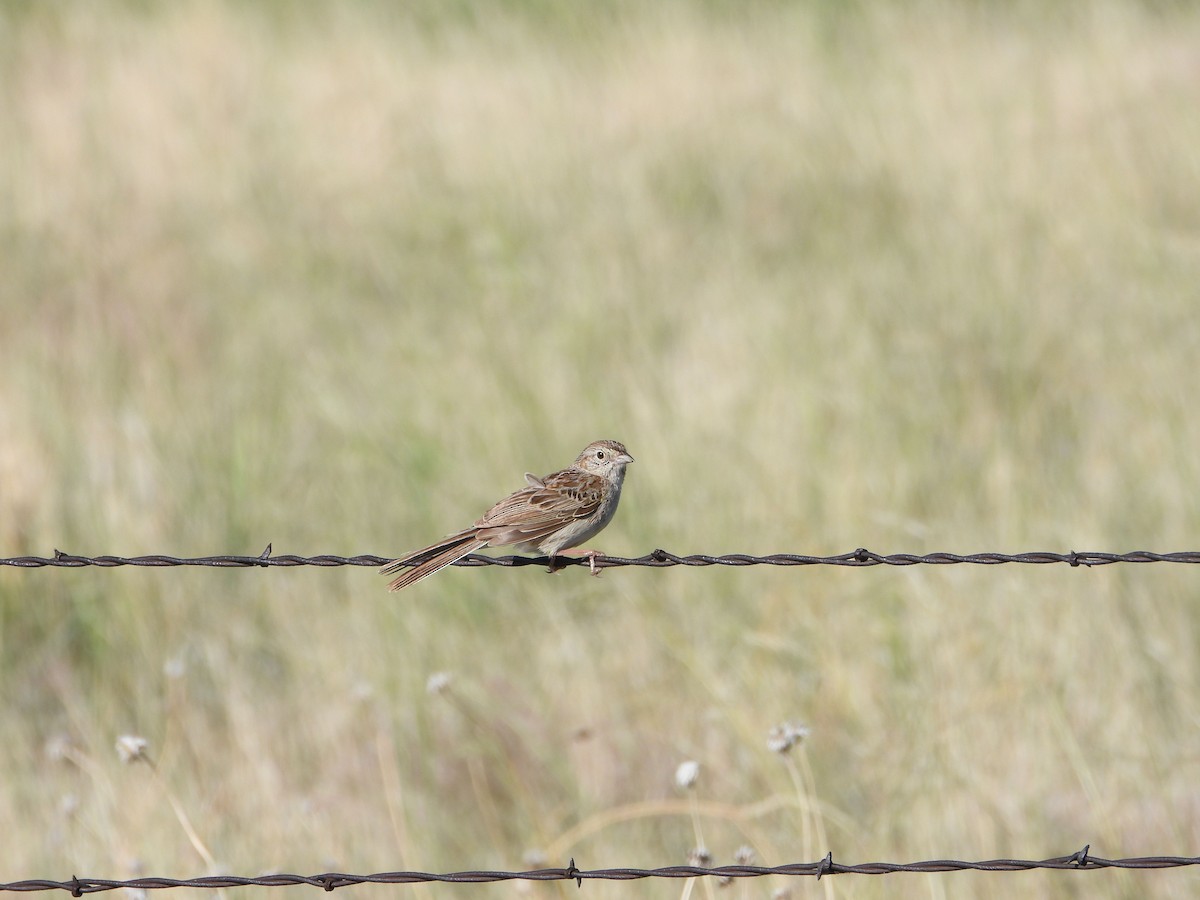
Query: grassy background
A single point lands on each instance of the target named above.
(912, 277)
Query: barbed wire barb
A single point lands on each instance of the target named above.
(656, 559)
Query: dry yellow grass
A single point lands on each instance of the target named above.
(912, 279)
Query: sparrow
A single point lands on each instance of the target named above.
(550, 514)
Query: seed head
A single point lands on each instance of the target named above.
(782, 738)
(131, 748)
(687, 774)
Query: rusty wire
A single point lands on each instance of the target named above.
(1080, 861)
(656, 559)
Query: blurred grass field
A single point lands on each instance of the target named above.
(911, 277)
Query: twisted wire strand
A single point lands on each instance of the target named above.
(1080, 861)
(656, 559)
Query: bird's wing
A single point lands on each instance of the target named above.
(537, 511)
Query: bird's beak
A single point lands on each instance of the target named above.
(625, 458)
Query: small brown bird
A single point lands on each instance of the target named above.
(549, 515)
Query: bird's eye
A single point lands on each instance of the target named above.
(599, 454)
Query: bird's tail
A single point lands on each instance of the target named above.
(432, 559)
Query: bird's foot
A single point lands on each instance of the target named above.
(590, 555)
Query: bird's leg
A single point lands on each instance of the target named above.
(590, 555)
(591, 558)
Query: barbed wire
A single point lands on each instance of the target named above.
(1080, 861)
(656, 559)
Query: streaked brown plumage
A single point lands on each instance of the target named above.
(548, 515)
